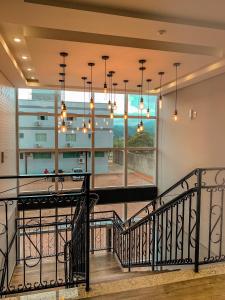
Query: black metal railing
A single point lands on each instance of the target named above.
(183, 226)
(33, 237)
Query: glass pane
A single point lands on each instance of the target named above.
(76, 103)
(147, 138)
(118, 132)
(141, 167)
(103, 133)
(73, 162)
(109, 168)
(36, 132)
(101, 104)
(36, 163)
(133, 105)
(36, 100)
(74, 137)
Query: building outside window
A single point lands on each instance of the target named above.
(113, 152)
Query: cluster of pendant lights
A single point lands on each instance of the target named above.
(110, 90)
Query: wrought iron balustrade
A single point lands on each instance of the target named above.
(32, 242)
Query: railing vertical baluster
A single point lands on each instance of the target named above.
(87, 188)
(198, 219)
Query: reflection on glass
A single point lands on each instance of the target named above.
(36, 163)
(141, 167)
(36, 100)
(36, 132)
(143, 139)
(133, 105)
(109, 168)
(101, 106)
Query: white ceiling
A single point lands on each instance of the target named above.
(125, 30)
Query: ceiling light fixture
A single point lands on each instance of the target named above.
(142, 68)
(160, 89)
(84, 128)
(125, 96)
(105, 58)
(24, 57)
(91, 65)
(175, 114)
(139, 91)
(114, 92)
(63, 115)
(148, 109)
(89, 91)
(29, 69)
(17, 40)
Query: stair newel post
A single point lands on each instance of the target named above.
(129, 248)
(87, 191)
(153, 237)
(198, 218)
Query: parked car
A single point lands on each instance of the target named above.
(60, 178)
(77, 178)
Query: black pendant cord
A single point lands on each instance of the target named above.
(160, 85)
(105, 71)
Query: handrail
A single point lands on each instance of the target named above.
(161, 208)
(145, 208)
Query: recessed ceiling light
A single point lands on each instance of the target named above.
(24, 57)
(161, 31)
(32, 77)
(17, 40)
(29, 69)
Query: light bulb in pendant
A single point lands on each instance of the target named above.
(89, 124)
(148, 113)
(125, 116)
(115, 105)
(111, 114)
(64, 111)
(141, 126)
(138, 128)
(160, 102)
(109, 105)
(91, 103)
(84, 129)
(175, 115)
(141, 104)
(105, 88)
(63, 126)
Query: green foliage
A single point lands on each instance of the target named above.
(118, 142)
(143, 139)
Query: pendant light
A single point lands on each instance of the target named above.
(89, 90)
(160, 89)
(175, 114)
(105, 58)
(139, 91)
(109, 75)
(114, 94)
(84, 128)
(125, 95)
(63, 126)
(142, 68)
(63, 74)
(109, 92)
(91, 65)
(148, 109)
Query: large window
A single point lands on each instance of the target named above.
(113, 151)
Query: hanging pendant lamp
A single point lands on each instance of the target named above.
(63, 74)
(114, 94)
(91, 65)
(105, 58)
(125, 95)
(148, 109)
(84, 127)
(139, 91)
(89, 91)
(175, 114)
(142, 68)
(160, 89)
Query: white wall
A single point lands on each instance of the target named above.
(188, 144)
(8, 167)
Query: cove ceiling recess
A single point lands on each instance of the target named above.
(124, 30)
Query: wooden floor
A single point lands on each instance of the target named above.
(103, 267)
(209, 288)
